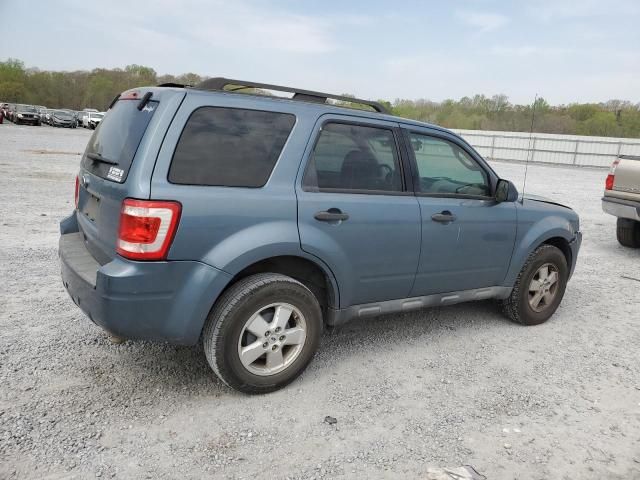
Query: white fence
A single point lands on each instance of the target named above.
(548, 148)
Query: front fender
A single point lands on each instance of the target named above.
(533, 234)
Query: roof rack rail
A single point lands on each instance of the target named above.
(218, 83)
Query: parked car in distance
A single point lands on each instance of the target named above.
(63, 118)
(1, 116)
(11, 108)
(622, 198)
(254, 222)
(80, 117)
(92, 119)
(26, 114)
(90, 110)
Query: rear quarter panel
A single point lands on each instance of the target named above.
(228, 227)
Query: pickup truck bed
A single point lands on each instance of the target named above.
(622, 198)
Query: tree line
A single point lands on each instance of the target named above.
(96, 88)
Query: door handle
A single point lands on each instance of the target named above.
(331, 215)
(443, 217)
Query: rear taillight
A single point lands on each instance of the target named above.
(608, 184)
(76, 195)
(611, 178)
(147, 228)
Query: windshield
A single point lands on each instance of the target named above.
(116, 139)
(96, 115)
(27, 108)
(62, 114)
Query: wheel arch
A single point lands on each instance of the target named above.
(559, 236)
(312, 273)
(562, 244)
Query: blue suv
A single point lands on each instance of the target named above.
(253, 222)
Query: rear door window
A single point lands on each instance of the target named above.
(354, 158)
(113, 145)
(229, 147)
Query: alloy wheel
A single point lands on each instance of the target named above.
(272, 339)
(543, 287)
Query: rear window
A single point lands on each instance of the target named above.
(229, 147)
(114, 143)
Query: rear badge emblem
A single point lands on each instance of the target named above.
(115, 174)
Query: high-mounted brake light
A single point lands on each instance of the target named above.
(76, 195)
(147, 228)
(611, 178)
(130, 95)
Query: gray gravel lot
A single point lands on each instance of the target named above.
(443, 387)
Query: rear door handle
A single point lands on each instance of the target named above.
(443, 217)
(331, 215)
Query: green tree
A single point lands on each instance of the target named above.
(601, 124)
(96, 88)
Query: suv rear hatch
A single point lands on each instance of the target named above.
(114, 151)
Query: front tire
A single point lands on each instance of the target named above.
(262, 332)
(628, 233)
(539, 287)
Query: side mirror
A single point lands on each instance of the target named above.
(506, 191)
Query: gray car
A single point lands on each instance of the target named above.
(252, 223)
(62, 118)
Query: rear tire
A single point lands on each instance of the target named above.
(628, 232)
(281, 352)
(536, 295)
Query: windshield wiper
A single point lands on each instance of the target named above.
(99, 158)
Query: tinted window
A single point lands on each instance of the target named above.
(116, 139)
(353, 157)
(443, 167)
(229, 147)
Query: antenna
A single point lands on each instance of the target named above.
(530, 151)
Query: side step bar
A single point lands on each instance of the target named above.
(339, 317)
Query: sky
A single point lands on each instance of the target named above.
(565, 51)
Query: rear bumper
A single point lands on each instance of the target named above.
(161, 301)
(621, 208)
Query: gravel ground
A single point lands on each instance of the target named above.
(443, 387)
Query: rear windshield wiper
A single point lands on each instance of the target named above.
(99, 158)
